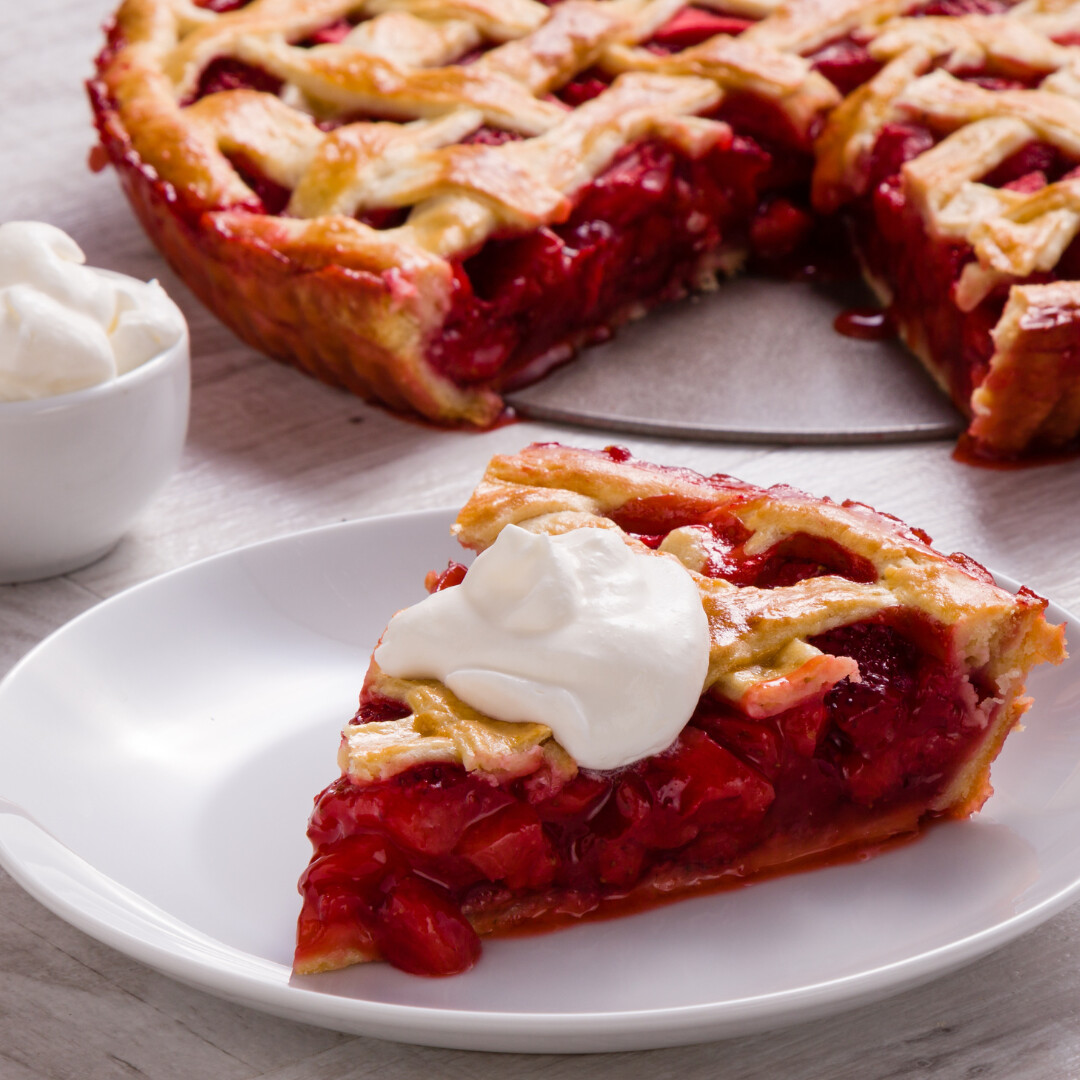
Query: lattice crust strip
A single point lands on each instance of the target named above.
(398, 64)
(760, 658)
(917, 82)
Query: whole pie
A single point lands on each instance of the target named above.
(854, 684)
(433, 201)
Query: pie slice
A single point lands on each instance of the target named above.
(537, 743)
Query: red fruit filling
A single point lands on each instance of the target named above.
(963, 7)
(405, 868)
(222, 6)
(637, 234)
(225, 73)
(331, 34)
(846, 63)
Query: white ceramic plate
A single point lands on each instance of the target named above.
(159, 756)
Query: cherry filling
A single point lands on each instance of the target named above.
(959, 8)
(644, 231)
(638, 235)
(410, 867)
(222, 6)
(846, 63)
(226, 73)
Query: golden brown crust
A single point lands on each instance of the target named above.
(360, 306)
(673, 880)
(1032, 390)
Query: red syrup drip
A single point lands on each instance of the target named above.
(865, 324)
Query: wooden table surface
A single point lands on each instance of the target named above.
(270, 452)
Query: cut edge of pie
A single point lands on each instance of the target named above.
(860, 683)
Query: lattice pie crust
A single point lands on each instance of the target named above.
(360, 304)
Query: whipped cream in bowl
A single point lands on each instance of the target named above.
(94, 398)
(65, 326)
(606, 645)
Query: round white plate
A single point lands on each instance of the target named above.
(159, 756)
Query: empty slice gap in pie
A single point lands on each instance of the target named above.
(651, 681)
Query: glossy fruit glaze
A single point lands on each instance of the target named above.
(641, 233)
(409, 868)
(865, 324)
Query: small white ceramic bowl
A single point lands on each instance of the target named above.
(76, 469)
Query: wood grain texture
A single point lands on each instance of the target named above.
(271, 452)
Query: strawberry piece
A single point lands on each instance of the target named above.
(698, 771)
(872, 779)
(225, 73)
(756, 743)
(360, 860)
(335, 32)
(1028, 184)
(896, 144)
(958, 8)
(333, 924)
(846, 64)
(803, 727)
(582, 88)
(420, 931)
(374, 709)
(618, 862)
(430, 818)
(454, 574)
(581, 797)
(1028, 162)
(510, 846)
(692, 25)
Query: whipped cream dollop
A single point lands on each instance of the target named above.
(607, 646)
(64, 325)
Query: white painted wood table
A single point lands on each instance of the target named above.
(271, 452)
